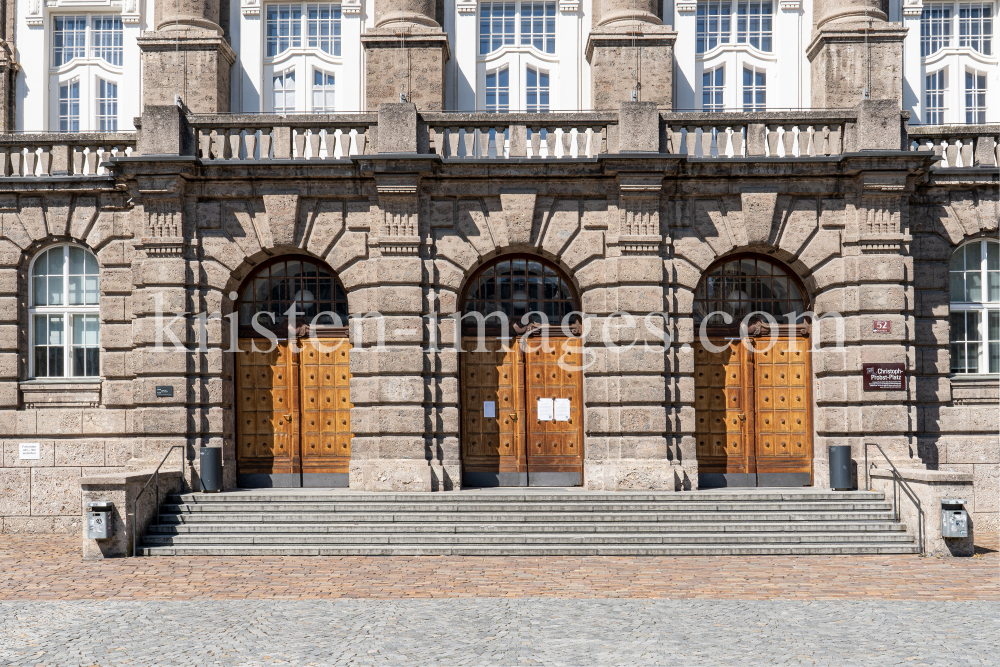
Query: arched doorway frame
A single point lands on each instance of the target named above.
(508, 437)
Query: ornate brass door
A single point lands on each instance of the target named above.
(293, 415)
(554, 445)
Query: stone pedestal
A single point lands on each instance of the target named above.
(412, 65)
(194, 64)
(121, 490)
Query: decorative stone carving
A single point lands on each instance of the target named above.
(639, 214)
(399, 232)
(758, 215)
(519, 210)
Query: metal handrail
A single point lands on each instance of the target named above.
(897, 483)
(156, 476)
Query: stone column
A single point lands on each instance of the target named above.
(842, 65)
(629, 49)
(405, 54)
(187, 55)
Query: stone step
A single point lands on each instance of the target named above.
(402, 508)
(500, 517)
(270, 496)
(306, 539)
(458, 528)
(833, 548)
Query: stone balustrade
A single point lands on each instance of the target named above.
(272, 137)
(82, 154)
(771, 134)
(516, 135)
(958, 145)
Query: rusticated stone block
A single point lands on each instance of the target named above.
(630, 475)
(15, 491)
(42, 525)
(390, 475)
(79, 452)
(55, 491)
(12, 458)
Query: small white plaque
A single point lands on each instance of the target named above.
(30, 450)
(490, 409)
(545, 409)
(562, 409)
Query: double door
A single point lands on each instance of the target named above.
(293, 413)
(522, 412)
(752, 415)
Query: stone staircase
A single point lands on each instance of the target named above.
(526, 522)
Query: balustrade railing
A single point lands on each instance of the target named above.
(741, 135)
(271, 137)
(52, 154)
(515, 135)
(958, 145)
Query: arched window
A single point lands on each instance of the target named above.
(975, 308)
(518, 286)
(743, 285)
(64, 313)
(282, 283)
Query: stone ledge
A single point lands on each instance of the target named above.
(71, 394)
(928, 476)
(126, 478)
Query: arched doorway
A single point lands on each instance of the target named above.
(752, 406)
(521, 380)
(293, 403)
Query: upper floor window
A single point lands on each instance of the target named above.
(69, 106)
(537, 91)
(753, 24)
(935, 28)
(975, 26)
(712, 88)
(107, 106)
(284, 91)
(935, 97)
(284, 28)
(498, 25)
(70, 39)
(498, 90)
(754, 89)
(64, 313)
(323, 91)
(975, 97)
(974, 326)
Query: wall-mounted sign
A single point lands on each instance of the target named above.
(562, 409)
(882, 326)
(164, 392)
(490, 409)
(30, 450)
(545, 409)
(883, 377)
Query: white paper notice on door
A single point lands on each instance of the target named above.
(562, 409)
(490, 409)
(545, 409)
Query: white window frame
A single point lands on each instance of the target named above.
(88, 69)
(538, 89)
(929, 42)
(64, 309)
(323, 89)
(721, 23)
(974, 111)
(983, 42)
(303, 59)
(498, 90)
(713, 105)
(940, 93)
(753, 88)
(985, 306)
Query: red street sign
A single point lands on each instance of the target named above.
(883, 377)
(882, 326)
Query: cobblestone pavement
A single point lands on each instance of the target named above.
(56, 609)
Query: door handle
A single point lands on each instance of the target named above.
(513, 416)
(288, 418)
(743, 416)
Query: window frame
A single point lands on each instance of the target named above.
(753, 88)
(87, 69)
(982, 42)
(720, 89)
(733, 26)
(302, 58)
(929, 42)
(518, 39)
(984, 307)
(940, 93)
(67, 311)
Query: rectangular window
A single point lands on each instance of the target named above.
(50, 345)
(498, 91)
(993, 340)
(107, 106)
(712, 86)
(85, 351)
(496, 26)
(965, 340)
(713, 25)
(537, 91)
(284, 91)
(975, 26)
(106, 38)
(975, 97)
(69, 106)
(323, 91)
(934, 100)
(754, 90)
(753, 24)
(538, 25)
(68, 39)
(935, 28)
(324, 28)
(284, 28)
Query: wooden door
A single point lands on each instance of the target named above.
(554, 448)
(722, 423)
(492, 414)
(784, 442)
(267, 415)
(325, 376)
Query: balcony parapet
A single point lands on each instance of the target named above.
(61, 154)
(958, 145)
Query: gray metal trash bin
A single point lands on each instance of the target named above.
(211, 469)
(840, 468)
